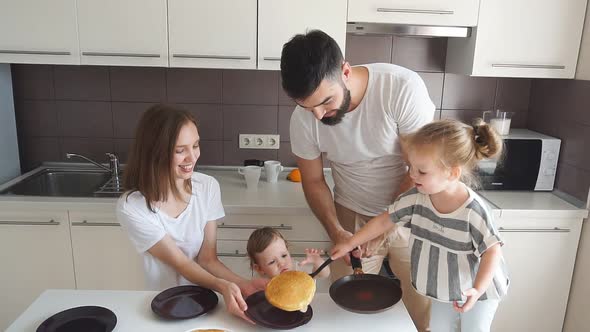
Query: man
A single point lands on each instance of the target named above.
(355, 116)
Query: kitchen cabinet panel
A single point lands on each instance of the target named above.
(123, 32)
(104, 257)
(420, 12)
(37, 31)
(280, 20)
(35, 254)
(540, 256)
(233, 254)
(212, 34)
(583, 69)
(521, 38)
(295, 227)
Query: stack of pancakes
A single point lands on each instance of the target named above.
(291, 291)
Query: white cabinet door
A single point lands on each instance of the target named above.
(540, 256)
(521, 38)
(123, 32)
(233, 255)
(38, 31)
(280, 20)
(103, 255)
(212, 34)
(421, 12)
(35, 255)
(583, 68)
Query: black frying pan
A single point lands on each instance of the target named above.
(364, 293)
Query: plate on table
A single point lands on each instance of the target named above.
(183, 302)
(86, 318)
(264, 314)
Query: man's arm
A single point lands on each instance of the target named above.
(319, 197)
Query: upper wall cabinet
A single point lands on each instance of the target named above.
(38, 31)
(521, 38)
(280, 20)
(421, 12)
(212, 34)
(123, 32)
(583, 69)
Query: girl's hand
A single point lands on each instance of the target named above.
(312, 256)
(234, 302)
(472, 295)
(340, 250)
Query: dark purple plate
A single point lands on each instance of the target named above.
(184, 302)
(264, 314)
(87, 319)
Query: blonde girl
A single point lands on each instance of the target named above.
(456, 257)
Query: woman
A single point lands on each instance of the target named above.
(169, 211)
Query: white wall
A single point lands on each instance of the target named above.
(9, 159)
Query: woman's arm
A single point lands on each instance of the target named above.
(168, 252)
(207, 258)
(375, 227)
(483, 279)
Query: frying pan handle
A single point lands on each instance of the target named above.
(357, 266)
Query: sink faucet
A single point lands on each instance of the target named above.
(113, 168)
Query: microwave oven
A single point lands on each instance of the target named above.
(528, 162)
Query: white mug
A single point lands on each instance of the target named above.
(272, 169)
(252, 175)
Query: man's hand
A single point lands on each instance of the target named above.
(341, 237)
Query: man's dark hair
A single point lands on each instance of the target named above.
(306, 60)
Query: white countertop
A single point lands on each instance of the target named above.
(134, 314)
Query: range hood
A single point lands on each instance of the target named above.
(363, 28)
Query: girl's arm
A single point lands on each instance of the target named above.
(483, 279)
(314, 257)
(375, 227)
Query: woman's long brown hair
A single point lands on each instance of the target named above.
(148, 168)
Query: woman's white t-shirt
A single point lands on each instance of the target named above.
(146, 228)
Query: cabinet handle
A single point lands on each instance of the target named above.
(271, 58)
(216, 57)
(238, 254)
(31, 223)
(415, 11)
(526, 66)
(534, 230)
(231, 254)
(35, 52)
(90, 223)
(128, 55)
(281, 226)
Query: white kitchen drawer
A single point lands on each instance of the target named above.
(423, 12)
(233, 255)
(293, 227)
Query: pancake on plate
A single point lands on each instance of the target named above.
(291, 291)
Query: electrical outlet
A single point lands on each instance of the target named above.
(255, 141)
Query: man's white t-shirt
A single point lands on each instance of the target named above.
(363, 149)
(145, 228)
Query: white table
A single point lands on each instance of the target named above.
(134, 314)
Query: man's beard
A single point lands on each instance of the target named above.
(340, 111)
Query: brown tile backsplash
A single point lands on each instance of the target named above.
(561, 108)
(94, 109)
(82, 83)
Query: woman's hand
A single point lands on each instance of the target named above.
(472, 295)
(312, 256)
(249, 287)
(234, 302)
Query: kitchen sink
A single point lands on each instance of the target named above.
(67, 183)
